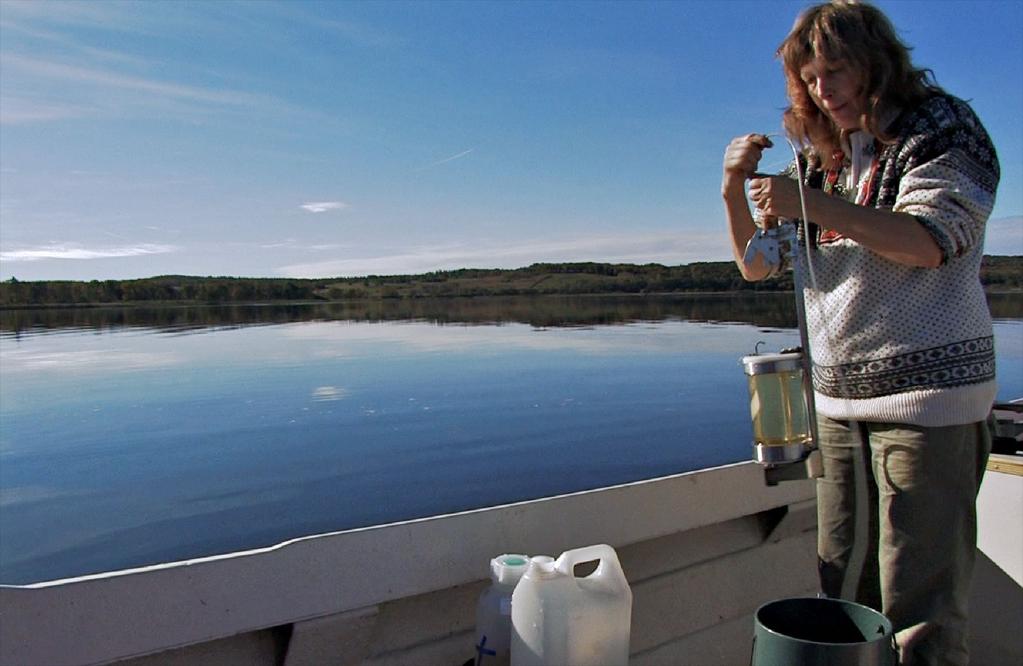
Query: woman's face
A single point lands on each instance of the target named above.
(835, 88)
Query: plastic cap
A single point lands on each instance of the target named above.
(541, 566)
(508, 569)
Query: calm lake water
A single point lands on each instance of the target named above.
(136, 436)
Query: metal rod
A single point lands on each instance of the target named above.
(796, 259)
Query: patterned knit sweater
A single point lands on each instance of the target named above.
(894, 343)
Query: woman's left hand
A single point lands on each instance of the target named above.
(777, 196)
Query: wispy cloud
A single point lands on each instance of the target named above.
(75, 74)
(323, 206)
(666, 248)
(73, 251)
(59, 59)
(452, 158)
(293, 244)
(64, 40)
(17, 110)
(93, 15)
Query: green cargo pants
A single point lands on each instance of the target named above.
(910, 493)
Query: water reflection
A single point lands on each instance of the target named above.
(765, 309)
(259, 434)
(136, 441)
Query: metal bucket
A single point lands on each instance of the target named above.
(821, 632)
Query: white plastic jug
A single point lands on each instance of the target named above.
(493, 612)
(561, 620)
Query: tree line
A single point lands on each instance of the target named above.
(158, 289)
(573, 278)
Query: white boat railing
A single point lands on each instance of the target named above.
(348, 575)
(701, 550)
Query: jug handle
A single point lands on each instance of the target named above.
(600, 552)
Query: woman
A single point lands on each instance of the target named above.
(900, 179)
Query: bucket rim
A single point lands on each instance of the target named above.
(888, 635)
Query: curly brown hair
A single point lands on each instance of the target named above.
(860, 36)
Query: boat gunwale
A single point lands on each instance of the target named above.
(115, 615)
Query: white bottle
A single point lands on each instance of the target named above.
(493, 612)
(561, 620)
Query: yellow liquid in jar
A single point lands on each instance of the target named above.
(778, 408)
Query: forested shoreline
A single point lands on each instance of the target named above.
(998, 274)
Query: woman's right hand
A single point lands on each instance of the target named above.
(741, 159)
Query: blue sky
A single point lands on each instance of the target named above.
(325, 139)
